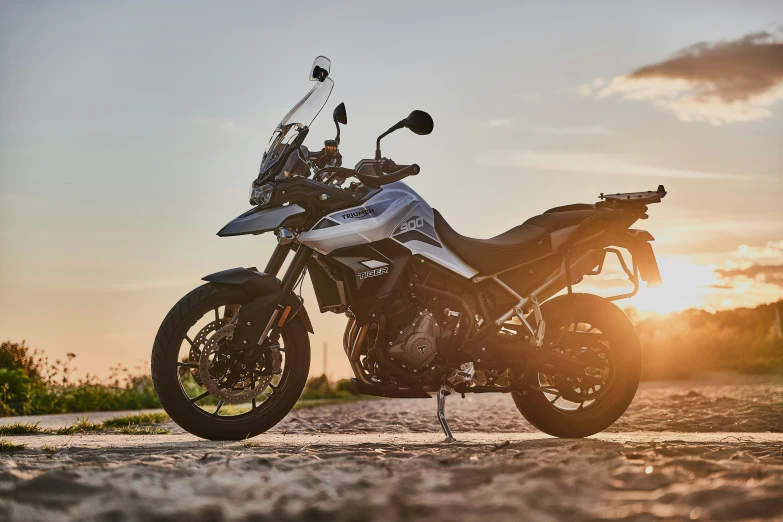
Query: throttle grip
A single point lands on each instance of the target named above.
(392, 169)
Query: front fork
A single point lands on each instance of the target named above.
(289, 281)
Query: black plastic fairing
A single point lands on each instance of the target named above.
(371, 273)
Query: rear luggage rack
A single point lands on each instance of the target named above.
(625, 198)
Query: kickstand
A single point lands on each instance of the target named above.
(442, 414)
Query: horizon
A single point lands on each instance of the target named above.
(129, 135)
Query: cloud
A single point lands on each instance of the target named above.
(592, 164)
(772, 251)
(761, 264)
(717, 83)
(772, 274)
(505, 122)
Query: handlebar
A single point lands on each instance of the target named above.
(383, 172)
(401, 172)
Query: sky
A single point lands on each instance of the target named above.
(130, 134)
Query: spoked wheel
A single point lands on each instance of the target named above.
(599, 334)
(214, 391)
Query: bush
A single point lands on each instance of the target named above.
(16, 356)
(14, 390)
(681, 345)
(30, 384)
(321, 388)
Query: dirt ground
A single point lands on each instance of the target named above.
(709, 450)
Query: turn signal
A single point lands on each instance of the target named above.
(283, 317)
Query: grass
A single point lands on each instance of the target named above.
(315, 403)
(136, 420)
(138, 424)
(18, 428)
(142, 430)
(80, 426)
(48, 448)
(6, 446)
(127, 425)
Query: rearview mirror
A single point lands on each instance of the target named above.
(419, 122)
(339, 115)
(320, 69)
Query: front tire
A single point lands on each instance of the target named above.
(166, 370)
(621, 345)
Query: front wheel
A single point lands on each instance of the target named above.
(208, 393)
(593, 329)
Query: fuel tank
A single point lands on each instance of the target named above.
(395, 212)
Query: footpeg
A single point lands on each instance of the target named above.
(442, 414)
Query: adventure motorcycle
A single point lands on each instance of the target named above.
(429, 310)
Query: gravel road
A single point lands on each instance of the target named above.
(709, 450)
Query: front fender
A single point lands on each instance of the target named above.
(263, 286)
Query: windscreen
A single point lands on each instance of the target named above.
(297, 120)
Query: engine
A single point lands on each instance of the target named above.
(417, 344)
(419, 336)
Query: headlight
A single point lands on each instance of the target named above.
(260, 195)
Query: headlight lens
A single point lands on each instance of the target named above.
(260, 195)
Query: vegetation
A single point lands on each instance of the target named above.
(142, 430)
(139, 419)
(6, 446)
(140, 424)
(677, 346)
(30, 384)
(19, 428)
(80, 426)
(319, 388)
(315, 403)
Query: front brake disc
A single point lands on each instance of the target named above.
(238, 389)
(195, 351)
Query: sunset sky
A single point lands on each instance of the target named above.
(130, 133)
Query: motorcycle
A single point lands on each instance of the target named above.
(429, 311)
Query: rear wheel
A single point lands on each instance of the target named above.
(596, 331)
(208, 393)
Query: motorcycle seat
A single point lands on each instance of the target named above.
(536, 237)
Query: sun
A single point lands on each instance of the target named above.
(685, 285)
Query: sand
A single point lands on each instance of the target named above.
(709, 450)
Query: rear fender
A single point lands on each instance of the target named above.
(642, 252)
(268, 295)
(637, 242)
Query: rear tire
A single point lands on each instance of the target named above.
(626, 357)
(187, 414)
